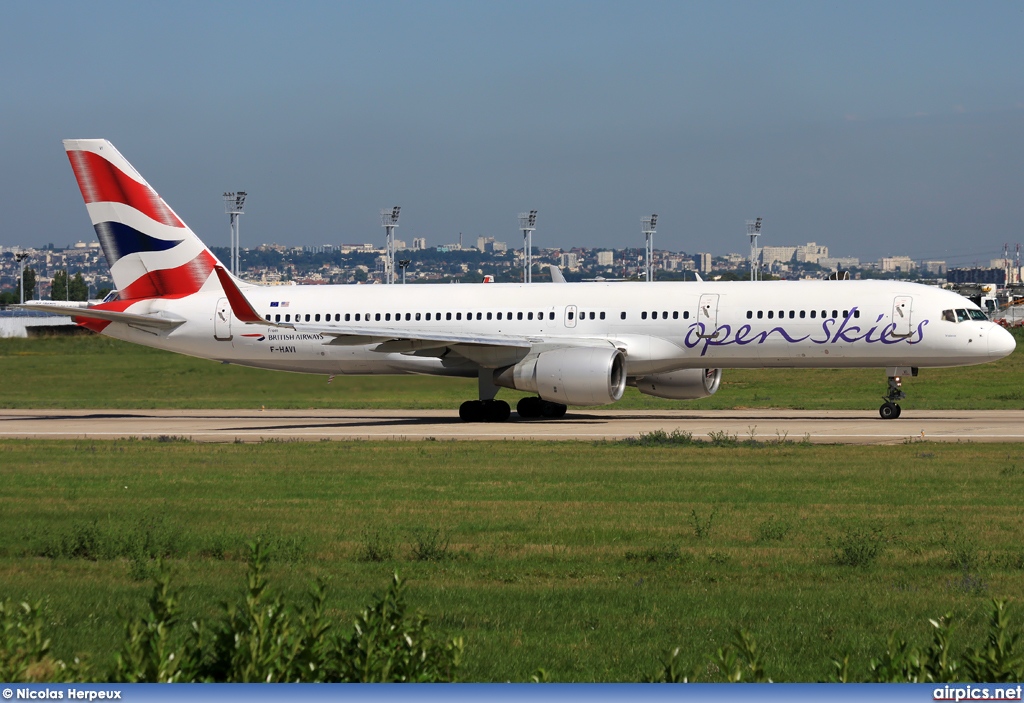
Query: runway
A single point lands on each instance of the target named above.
(819, 426)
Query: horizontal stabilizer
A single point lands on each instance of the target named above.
(158, 320)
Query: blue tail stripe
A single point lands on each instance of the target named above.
(119, 240)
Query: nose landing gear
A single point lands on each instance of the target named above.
(890, 409)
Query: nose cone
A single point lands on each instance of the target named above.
(1000, 343)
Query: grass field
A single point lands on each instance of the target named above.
(98, 372)
(589, 560)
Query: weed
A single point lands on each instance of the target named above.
(773, 530)
(377, 544)
(961, 550)
(857, 546)
(718, 558)
(430, 544)
(1011, 471)
(657, 554)
(660, 438)
(702, 528)
(721, 438)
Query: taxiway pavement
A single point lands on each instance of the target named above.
(820, 426)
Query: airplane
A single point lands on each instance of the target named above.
(566, 344)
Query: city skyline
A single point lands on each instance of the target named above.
(884, 129)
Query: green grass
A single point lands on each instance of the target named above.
(589, 560)
(99, 372)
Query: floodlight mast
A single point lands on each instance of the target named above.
(649, 226)
(389, 220)
(528, 223)
(234, 203)
(753, 231)
(20, 258)
(404, 264)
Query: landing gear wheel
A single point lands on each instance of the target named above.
(898, 411)
(472, 411)
(553, 410)
(496, 410)
(889, 411)
(529, 407)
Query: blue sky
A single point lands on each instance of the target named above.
(874, 127)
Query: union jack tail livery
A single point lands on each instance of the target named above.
(150, 251)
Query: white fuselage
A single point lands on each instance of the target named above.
(660, 326)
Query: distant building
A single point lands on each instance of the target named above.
(770, 254)
(997, 276)
(702, 261)
(838, 263)
(892, 264)
(606, 258)
(569, 261)
(419, 243)
(934, 267)
(811, 253)
(489, 245)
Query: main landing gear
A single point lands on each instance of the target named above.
(890, 409)
(488, 409)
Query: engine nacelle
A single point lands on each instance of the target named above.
(688, 384)
(573, 376)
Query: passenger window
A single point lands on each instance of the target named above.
(846, 313)
(961, 315)
(760, 314)
(835, 313)
(540, 315)
(803, 314)
(643, 315)
(479, 316)
(347, 316)
(622, 315)
(529, 316)
(387, 317)
(377, 317)
(551, 316)
(569, 315)
(428, 317)
(268, 317)
(417, 317)
(856, 314)
(447, 316)
(675, 314)
(771, 314)
(519, 316)
(357, 317)
(458, 316)
(824, 314)
(316, 318)
(288, 318)
(664, 314)
(602, 315)
(307, 317)
(749, 314)
(499, 315)
(792, 314)
(782, 314)
(814, 314)
(592, 316)
(488, 316)
(686, 314)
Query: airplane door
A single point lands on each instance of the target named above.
(222, 321)
(902, 311)
(707, 315)
(570, 315)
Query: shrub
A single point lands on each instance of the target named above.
(430, 545)
(377, 544)
(857, 546)
(773, 530)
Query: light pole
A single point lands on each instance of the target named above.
(404, 264)
(753, 231)
(528, 223)
(233, 206)
(389, 220)
(20, 258)
(649, 226)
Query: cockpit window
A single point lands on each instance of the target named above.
(962, 315)
(949, 316)
(977, 315)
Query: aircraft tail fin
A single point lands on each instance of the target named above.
(150, 251)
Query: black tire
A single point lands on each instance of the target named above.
(553, 410)
(496, 411)
(529, 407)
(899, 411)
(471, 411)
(888, 411)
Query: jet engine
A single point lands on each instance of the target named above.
(688, 384)
(572, 376)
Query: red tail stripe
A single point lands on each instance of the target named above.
(101, 182)
(239, 305)
(172, 283)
